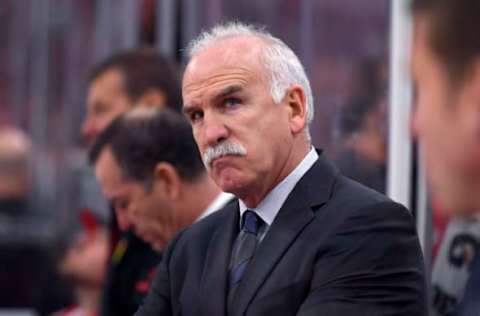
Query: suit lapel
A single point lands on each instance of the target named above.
(313, 190)
(214, 286)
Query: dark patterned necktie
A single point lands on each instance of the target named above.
(243, 250)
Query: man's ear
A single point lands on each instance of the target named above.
(167, 180)
(296, 101)
(153, 97)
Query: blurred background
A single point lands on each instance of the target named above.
(48, 47)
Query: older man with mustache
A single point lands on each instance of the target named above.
(301, 239)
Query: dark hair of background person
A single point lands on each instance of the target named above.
(143, 69)
(453, 32)
(139, 142)
(371, 77)
(355, 113)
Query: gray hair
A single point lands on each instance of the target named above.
(283, 68)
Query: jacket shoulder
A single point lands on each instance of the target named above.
(199, 233)
(349, 191)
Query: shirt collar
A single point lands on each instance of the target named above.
(220, 201)
(268, 208)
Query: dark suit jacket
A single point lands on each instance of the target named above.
(335, 248)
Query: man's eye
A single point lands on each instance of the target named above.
(121, 205)
(231, 102)
(196, 116)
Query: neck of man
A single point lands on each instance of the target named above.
(88, 297)
(252, 196)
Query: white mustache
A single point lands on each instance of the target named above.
(222, 149)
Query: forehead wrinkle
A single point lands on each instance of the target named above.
(216, 82)
(215, 79)
(228, 90)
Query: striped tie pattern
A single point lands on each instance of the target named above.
(243, 250)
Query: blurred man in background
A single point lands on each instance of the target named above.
(362, 153)
(116, 85)
(125, 80)
(446, 71)
(149, 166)
(363, 131)
(84, 265)
(28, 278)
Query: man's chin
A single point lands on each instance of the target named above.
(456, 201)
(230, 186)
(461, 206)
(157, 246)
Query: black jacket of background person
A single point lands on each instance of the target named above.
(28, 273)
(336, 248)
(131, 271)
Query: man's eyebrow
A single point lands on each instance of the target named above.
(187, 108)
(227, 91)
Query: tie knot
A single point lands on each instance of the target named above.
(251, 222)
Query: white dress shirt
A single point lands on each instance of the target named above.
(269, 207)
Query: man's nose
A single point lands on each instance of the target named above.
(215, 131)
(123, 220)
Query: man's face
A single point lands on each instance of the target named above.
(229, 101)
(105, 101)
(446, 123)
(136, 206)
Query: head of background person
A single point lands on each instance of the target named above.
(362, 120)
(15, 154)
(85, 260)
(127, 79)
(446, 71)
(362, 126)
(249, 110)
(149, 167)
